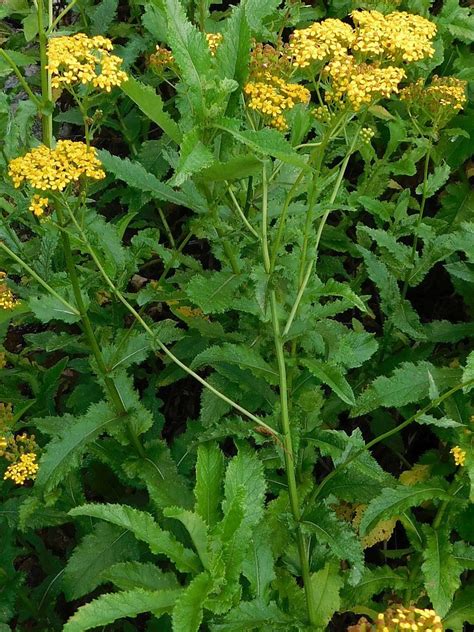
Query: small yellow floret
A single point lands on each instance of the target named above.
(213, 41)
(7, 298)
(321, 41)
(38, 204)
(459, 455)
(25, 468)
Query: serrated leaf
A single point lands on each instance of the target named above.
(409, 383)
(144, 528)
(267, 142)
(188, 611)
(241, 355)
(468, 373)
(373, 582)
(464, 555)
(326, 585)
(209, 477)
(254, 615)
(393, 501)
(335, 288)
(136, 176)
(197, 529)
(214, 292)
(258, 564)
(340, 538)
(333, 377)
(102, 15)
(245, 471)
(462, 611)
(131, 575)
(151, 104)
(442, 422)
(108, 608)
(440, 569)
(435, 180)
(47, 308)
(64, 452)
(194, 156)
(98, 551)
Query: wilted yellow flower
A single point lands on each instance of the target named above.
(6, 416)
(265, 58)
(3, 364)
(162, 58)
(321, 41)
(274, 96)
(361, 84)
(53, 169)
(442, 99)
(213, 41)
(38, 204)
(25, 468)
(398, 36)
(78, 59)
(7, 298)
(459, 455)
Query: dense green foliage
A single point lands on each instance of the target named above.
(245, 354)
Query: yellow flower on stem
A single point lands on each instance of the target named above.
(7, 298)
(78, 59)
(213, 41)
(20, 451)
(25, 468)
(459, 455)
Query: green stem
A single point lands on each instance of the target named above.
(241, 214)
(288, 453)
(70, 308)
(20, 78)
(433, 404)
(110, 385)
(65, 11)
(46, 90)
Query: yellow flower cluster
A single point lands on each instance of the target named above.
(20, 452)
(3, 364)
(265, 58)
(53, 169)
(321, 41)
(7, 299)
(25, 468)
(274, 96)
(459, 455)
(444, 97)
(366, 134)
(416, 619)
(398, 36)
(213, 41)
(360, 83)
(162, 58)
(78, 59)
(38, 204)
(6, 415)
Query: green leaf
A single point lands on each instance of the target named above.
(468, 373)
(188, 611)
(191, 54)
(335, 288)
(241, 355)
(246, 471)
(236, 168)
(47, 308)
(333, 377)
(254, 615)
(64, 452)
(99, 550)
(409, 383)
(458, 21)
(102, 15)
(214, 292)
(464, 555)
(258, 564)
(257, 11)
(462, 611)
(394, 501)
(442, 422)
(133, 174)
(440, 569)
(326, 585)
(151, 104)
(144, 528)
(197, 529)
(131, 575)
(338, 535)
(209, 476)
(435, 180)
(268, 142)
(108, 608)
(194, 156)
(373, 582)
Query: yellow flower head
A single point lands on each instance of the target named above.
(442, 99)
(361, 83)
(23, 469)
(274, 96)
(161, 59)
(398, 618)
(398, 36)
(7, 298)
(213, 41)
(459, 455)
(78, 59)
(53, 169)
(321, 41)
(6, 416)
(265, 58)
(38, 204)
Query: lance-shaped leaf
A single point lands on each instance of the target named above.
(326, 585)
(333, 377)
(441, 569)
(244, 357)
(209, 477)
(188, 611)
(131, 575)
(197, 529)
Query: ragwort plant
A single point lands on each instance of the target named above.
(305, 159)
